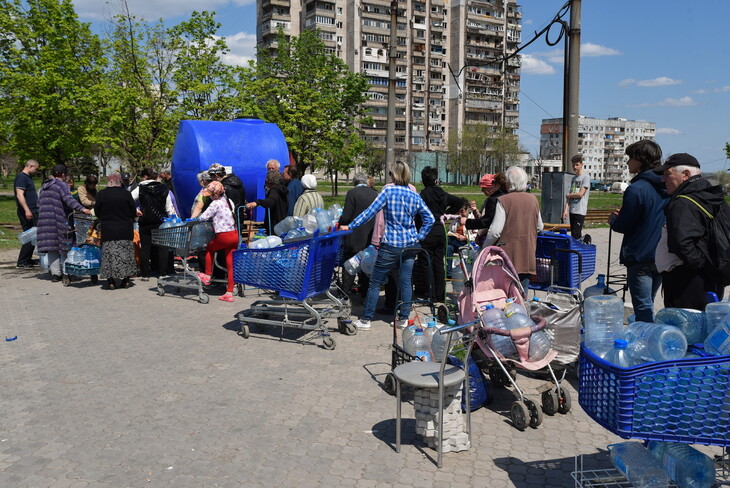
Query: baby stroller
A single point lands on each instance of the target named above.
(494, 280)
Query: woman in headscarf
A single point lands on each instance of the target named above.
(309, 199)
(87, 191)
(275, 202)
(116, 212)
(220, 212)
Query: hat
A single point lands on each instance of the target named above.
(486, 181)
(126, 176)
(59, 170)
(679, 159)
(214, 188)
(216, 169)
(309, 182)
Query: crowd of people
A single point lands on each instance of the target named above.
(664, 218)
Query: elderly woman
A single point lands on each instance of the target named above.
(493, 187)
(309, 199)
(116, 212)
(401, 205)
(201, 201)
(220, 212)
(516, 223)
(87, 191)
(275, 202)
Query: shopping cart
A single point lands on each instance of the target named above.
(80, 224)
(183, 240)
(561, 270)
(301, 273)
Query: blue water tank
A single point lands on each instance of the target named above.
(245, 145)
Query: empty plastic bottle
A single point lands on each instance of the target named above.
(599, 288)
(324, 220)
(407, 334)
(73, 256)
(430, 331)
(494, 317)
(604, 317)
(369, 256)
(28, 235)
(166, 222)
(295, 234)
(691, 322)
(718, 342)
(353, 265)
(457, 279)
(619, 355)
(417, 345)
(309, 222)
(438, 344)
(540, 345)
(285, 225)
(714, 313)
(641, 468)
(511, 306)
(43, 261)
(655, 342)
(685, 465)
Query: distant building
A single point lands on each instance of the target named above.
(601, 141)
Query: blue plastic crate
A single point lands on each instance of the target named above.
(687, 400)
(564, 264)
(297, 270)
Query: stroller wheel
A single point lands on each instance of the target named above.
(535, 414)
(565, 403)
(520, 415)
(550, 401)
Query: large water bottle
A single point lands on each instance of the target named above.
(407, 334)
(353, 265)
(438, 345)
(43, 261)
(604, 316)
(685, 465)
(690, 322)
(369, 256)
(599, 288)
(73, 256)
(718, 342)
(309, 222)
(655, 342)
(619, 355)
(457, 279)
(494, 317)
(430, 331)
(417, 346)
(714, 313)
(511, 306)
(324, 220)
(641, 468)
(285, 226)
(28, 235)
(94, 256)
(166, 222)
(540, 345)
(294, 234)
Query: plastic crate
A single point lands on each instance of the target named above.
(564, 264)
(77, 270)
(687, 400)
(297, 270)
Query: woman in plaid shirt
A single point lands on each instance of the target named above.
(400, 205)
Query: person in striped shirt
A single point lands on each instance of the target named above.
(400, 206)
(309, 199)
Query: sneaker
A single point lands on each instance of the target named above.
(401, 323)
(362, 324)
(24, 265)
(226, 297)
(205, 279)
(55, 278)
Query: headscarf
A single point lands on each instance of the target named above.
(214, 189)
(114, 180)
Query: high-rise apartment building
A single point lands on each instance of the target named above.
(601, 141)
(445, 72)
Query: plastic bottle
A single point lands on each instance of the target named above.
(641, 468)
(599, 288)
(494, 317)
(369, 256)
(619, 355)
(28, 235)
(43, 261)
(685, 465)
(714, 313)
(166, 222)
(273, 241)
(407, 334)
(690, 322)
(353, 265)
(294, 234)
(73, 256)
(511, 306)
(655, 342)
(431, 330)
(417, 345)
(438, 345)
(718, 342)
(260, 234)
(323, 220)
(285, 226)
(309, 222)
(457, 279)
(540, 345)
(604, 317)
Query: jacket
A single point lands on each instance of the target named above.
(276, 206)
(687, 224)
(294, 189)
(641, 218)
(439, 202)
(153, 197)
(234, 190)
(116, 212)
(55, 203)
(356, 201)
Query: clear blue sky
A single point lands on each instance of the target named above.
(664, 61)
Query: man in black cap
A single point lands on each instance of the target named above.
(127, 182)
(682, 252)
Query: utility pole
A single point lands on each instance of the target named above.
(572, 111)
(392, 56)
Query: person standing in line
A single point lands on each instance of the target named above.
(127, 182)
(309, 199)
(87, 191)
(273, 165)
(233, 185)
(165, 177)
(293, 187)
(154, 204)
(26, 199)
(401, 205)
(493, 187)
(576, 201)
(275, 202)
(683, 249)
(640, 220)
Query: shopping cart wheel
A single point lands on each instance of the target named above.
(520, 415)
(550, 401)
(161, 290)
(535, 414)
(328, 342)
(94, 279)
(244, 331)
(346, 327)
(65, 280)
(389, 384)
(203, 298)
(565, 402)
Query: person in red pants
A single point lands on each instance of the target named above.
(220, 212)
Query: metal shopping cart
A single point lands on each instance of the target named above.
(184, 240)
(301, 273)
(80, 226)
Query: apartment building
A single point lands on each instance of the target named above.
(601, 141)
(445, 75)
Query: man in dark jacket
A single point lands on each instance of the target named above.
(687, 273)
(293, 186)
(356, 201)
(640, 220)
(275, 202)
(231, 183)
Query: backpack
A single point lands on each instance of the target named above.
(718, 237)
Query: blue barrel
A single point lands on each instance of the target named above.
(243, 146)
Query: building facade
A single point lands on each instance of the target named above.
(601, 141)
(445, 74)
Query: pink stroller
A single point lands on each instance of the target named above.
(493, 280)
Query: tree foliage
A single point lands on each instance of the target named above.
(478, 149)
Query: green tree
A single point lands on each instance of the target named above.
(311, 95)
(51, 68)
(504, 150)
(467, 151)
(727, 150)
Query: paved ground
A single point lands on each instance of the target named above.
(125, 388)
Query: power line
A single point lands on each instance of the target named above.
(538, 105)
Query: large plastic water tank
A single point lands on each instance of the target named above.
(243, 146)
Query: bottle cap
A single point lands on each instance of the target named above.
(620, 344)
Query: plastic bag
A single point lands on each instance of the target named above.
(478, 391)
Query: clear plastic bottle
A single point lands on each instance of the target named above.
(166, 222)
(599, 288)
(430, 331)
(273, 241)
(438, 345)
(285, 226)
(718, 342)
(369, 256)
(685, 465)
(457, 279)
(714, 313)
(619, 355)
(691, 322)
(641, 468)
(655, 342)
(604, 317)
(323, 220)
(494, 317)
(540, 345)
(511, 306)
(353, 265)
(417, 345)
(309, 222)
(407, 334)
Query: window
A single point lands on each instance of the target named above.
(321, 19)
